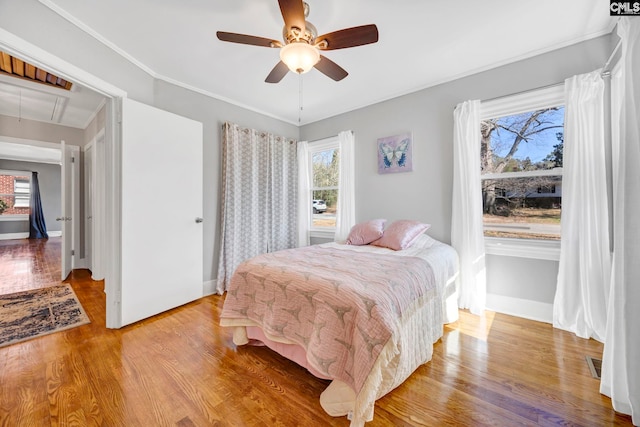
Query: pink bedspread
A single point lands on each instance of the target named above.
(341, 309)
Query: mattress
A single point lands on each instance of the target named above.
(401, 299)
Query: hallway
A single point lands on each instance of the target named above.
(29, 264)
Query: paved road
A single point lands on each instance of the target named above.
(524, 227)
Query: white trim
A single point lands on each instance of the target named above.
(25, 235)
(95, 113)
(14, 217)
(15, 172)
(324, 144)
(223, 99)
(209, 288)
(523, 248)
(34, 142)
(552, 96)
(55, 8)
(98, 205)
(22, 152)
(110, 217)
(527, 309)
(40, 58)
(319, 146)
(523, 174)
(330, 233)
(13, 236)
(90, 31)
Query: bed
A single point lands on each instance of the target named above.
(364, 316)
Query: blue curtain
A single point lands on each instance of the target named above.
(37, 227)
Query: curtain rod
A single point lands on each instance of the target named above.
(605, 71)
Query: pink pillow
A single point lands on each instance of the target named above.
(366, 232)
(401, 234)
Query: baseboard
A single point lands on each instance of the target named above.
(209, 287)
(25, 235)
(528, 309)
(12, 236)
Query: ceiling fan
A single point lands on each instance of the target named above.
(301, 48)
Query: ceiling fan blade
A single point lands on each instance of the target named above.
(349, 37)
(331, 69)
(278, 72)
(245, 39)
(293, 14)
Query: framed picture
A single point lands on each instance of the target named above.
(394, 154)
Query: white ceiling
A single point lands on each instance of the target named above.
(422, 43)
(27, 99)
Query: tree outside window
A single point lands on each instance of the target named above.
(325, 182)
(521, 161)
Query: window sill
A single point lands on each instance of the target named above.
(322, 234)
(19, 217)
(535, 249)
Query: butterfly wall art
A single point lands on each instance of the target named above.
(394, 154)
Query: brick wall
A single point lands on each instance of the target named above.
(6, 189)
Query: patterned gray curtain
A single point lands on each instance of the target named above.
(259, 197)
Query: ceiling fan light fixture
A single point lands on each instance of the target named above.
(300, 57)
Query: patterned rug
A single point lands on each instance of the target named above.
(30, 314)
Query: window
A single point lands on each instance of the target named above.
(325, 173)
(521, 167)
(15, 192)
(21, 190)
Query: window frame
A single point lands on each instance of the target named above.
(551, 96)
(15, 174)
(25, 196)
(316, 147)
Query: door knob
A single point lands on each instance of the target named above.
(59, 219)
(199, 220)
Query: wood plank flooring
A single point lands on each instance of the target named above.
(181, 369)
(27, 264)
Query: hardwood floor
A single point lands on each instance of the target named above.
(29, 264)
(181, 369)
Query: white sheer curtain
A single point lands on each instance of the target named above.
(582, 291)
(259, 197)
(621, 358)
(467, 235)
(346, 215)
(304, 193)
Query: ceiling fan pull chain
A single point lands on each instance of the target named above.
(299, 97)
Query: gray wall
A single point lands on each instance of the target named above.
(40, 131)
(39, 25)
(213, 113)
(50, 191)
(425, 193)
(27, 19)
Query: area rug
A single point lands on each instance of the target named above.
(31, 314)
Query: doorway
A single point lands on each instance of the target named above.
(27, 264)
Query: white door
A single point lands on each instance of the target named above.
(88, 207)
(69, 194)
(161, 243)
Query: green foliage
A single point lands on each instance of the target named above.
(555, 156)
(3, 206)
(326, 173)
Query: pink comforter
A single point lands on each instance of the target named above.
(341, 309)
